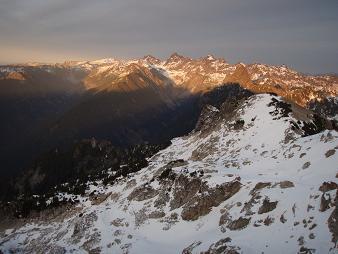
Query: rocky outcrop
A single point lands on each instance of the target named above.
(207, 118)
(142, 193)
(238, 224)
(222, 247)
(333, 221)
(184, 189)
(202, 203)
(267, 206)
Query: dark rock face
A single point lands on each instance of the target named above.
(226, 97)
(220, 104)
(316, 125)
(207, 118)
(281, 108)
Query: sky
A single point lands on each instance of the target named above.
(303, 34)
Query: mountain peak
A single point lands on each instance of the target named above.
(175, 56)
(149, 59)
(210, 57)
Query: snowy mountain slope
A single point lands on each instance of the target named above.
(291, 84)
(250, 180)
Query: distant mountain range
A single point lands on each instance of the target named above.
(128, 102)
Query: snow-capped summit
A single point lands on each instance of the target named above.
(149, 59)
(210, 57)
(103, 61)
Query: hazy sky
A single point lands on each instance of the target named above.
(300, 33)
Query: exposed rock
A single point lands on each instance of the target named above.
(304, 250)
(268, 221)
(167, 173)
(140, 216)
(162, 198)
(239, 124)
(81, 226)
(156, 214)
(313, 226)
(185, 189)
(142, 193)
(170, 220)
(176, 163)
(267, 206)
(98, 199)
(221, 247)
(207, 118)
(301, 240)
(325, 202)
(260, 186)
(306, 165)
(333, 221)
(282, 218)
(130, 184)
(239, 224)
(118, 222)
(282, 109)
(204, 150)
(248, 205)
(191, 247)
(286, 184)
(328, 186)
(330, 153)
(201, 205)
(89, 245)
(224, 219)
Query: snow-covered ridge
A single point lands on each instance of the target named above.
(248, 173)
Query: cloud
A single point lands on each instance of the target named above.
(300, 33)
